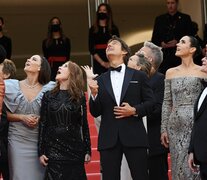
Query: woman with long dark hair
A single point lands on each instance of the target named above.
(23, 101)
(99, 34)
(182, 87)
(56, 47)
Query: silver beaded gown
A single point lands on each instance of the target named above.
(177, 120)
(22, 141)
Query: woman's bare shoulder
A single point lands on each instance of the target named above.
(172, 72)
(199, 72)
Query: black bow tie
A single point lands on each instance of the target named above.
(115, 69)
(204, 83)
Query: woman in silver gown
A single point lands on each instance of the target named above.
(23, 101)
(182, 87)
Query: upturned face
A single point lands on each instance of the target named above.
(184, 47)
(63, 73)
(146, 52)
(33, 64)
(114, 48)
(133, 62)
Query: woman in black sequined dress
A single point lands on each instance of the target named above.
(64, 139)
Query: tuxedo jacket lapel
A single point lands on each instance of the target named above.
(108, 85)
(196, 106)
(203, 107)
(127, 79)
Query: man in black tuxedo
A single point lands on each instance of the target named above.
(168, 29)
(122, 97)
(198, 143)
(158, 154)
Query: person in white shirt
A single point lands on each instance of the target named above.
(122, 96)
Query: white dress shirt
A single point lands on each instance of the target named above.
(202, 97)
(117, 79)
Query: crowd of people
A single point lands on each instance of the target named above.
(145, 106)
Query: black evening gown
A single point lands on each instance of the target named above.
(64, 136)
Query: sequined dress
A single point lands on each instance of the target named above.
(64, 136)
(177, 120)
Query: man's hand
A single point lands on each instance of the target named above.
(105, 64)
(169, 44)
(125, 110)
(172, 43)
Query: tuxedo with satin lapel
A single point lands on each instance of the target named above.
(130, 130)
(198, 144)
(126, 135)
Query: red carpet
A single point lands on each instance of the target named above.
(93, 167)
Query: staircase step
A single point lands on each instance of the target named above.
(93, 167)
(94, 141)
(90, 118)
(95, 155)
(94, 176)
(93, 130)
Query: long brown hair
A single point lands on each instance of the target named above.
(75, 82)
(45, 71)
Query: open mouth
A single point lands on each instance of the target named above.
(58, 72)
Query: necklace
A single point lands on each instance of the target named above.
(30, 86)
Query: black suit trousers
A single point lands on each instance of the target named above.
(136, 158)
(203, 171)
(158, 167)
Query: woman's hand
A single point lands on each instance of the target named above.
(93, 86)
(43, 160)
(89, 72)
(192, 166)
(87, 158)
(105, 64)
(164, 139)
(31, 120)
